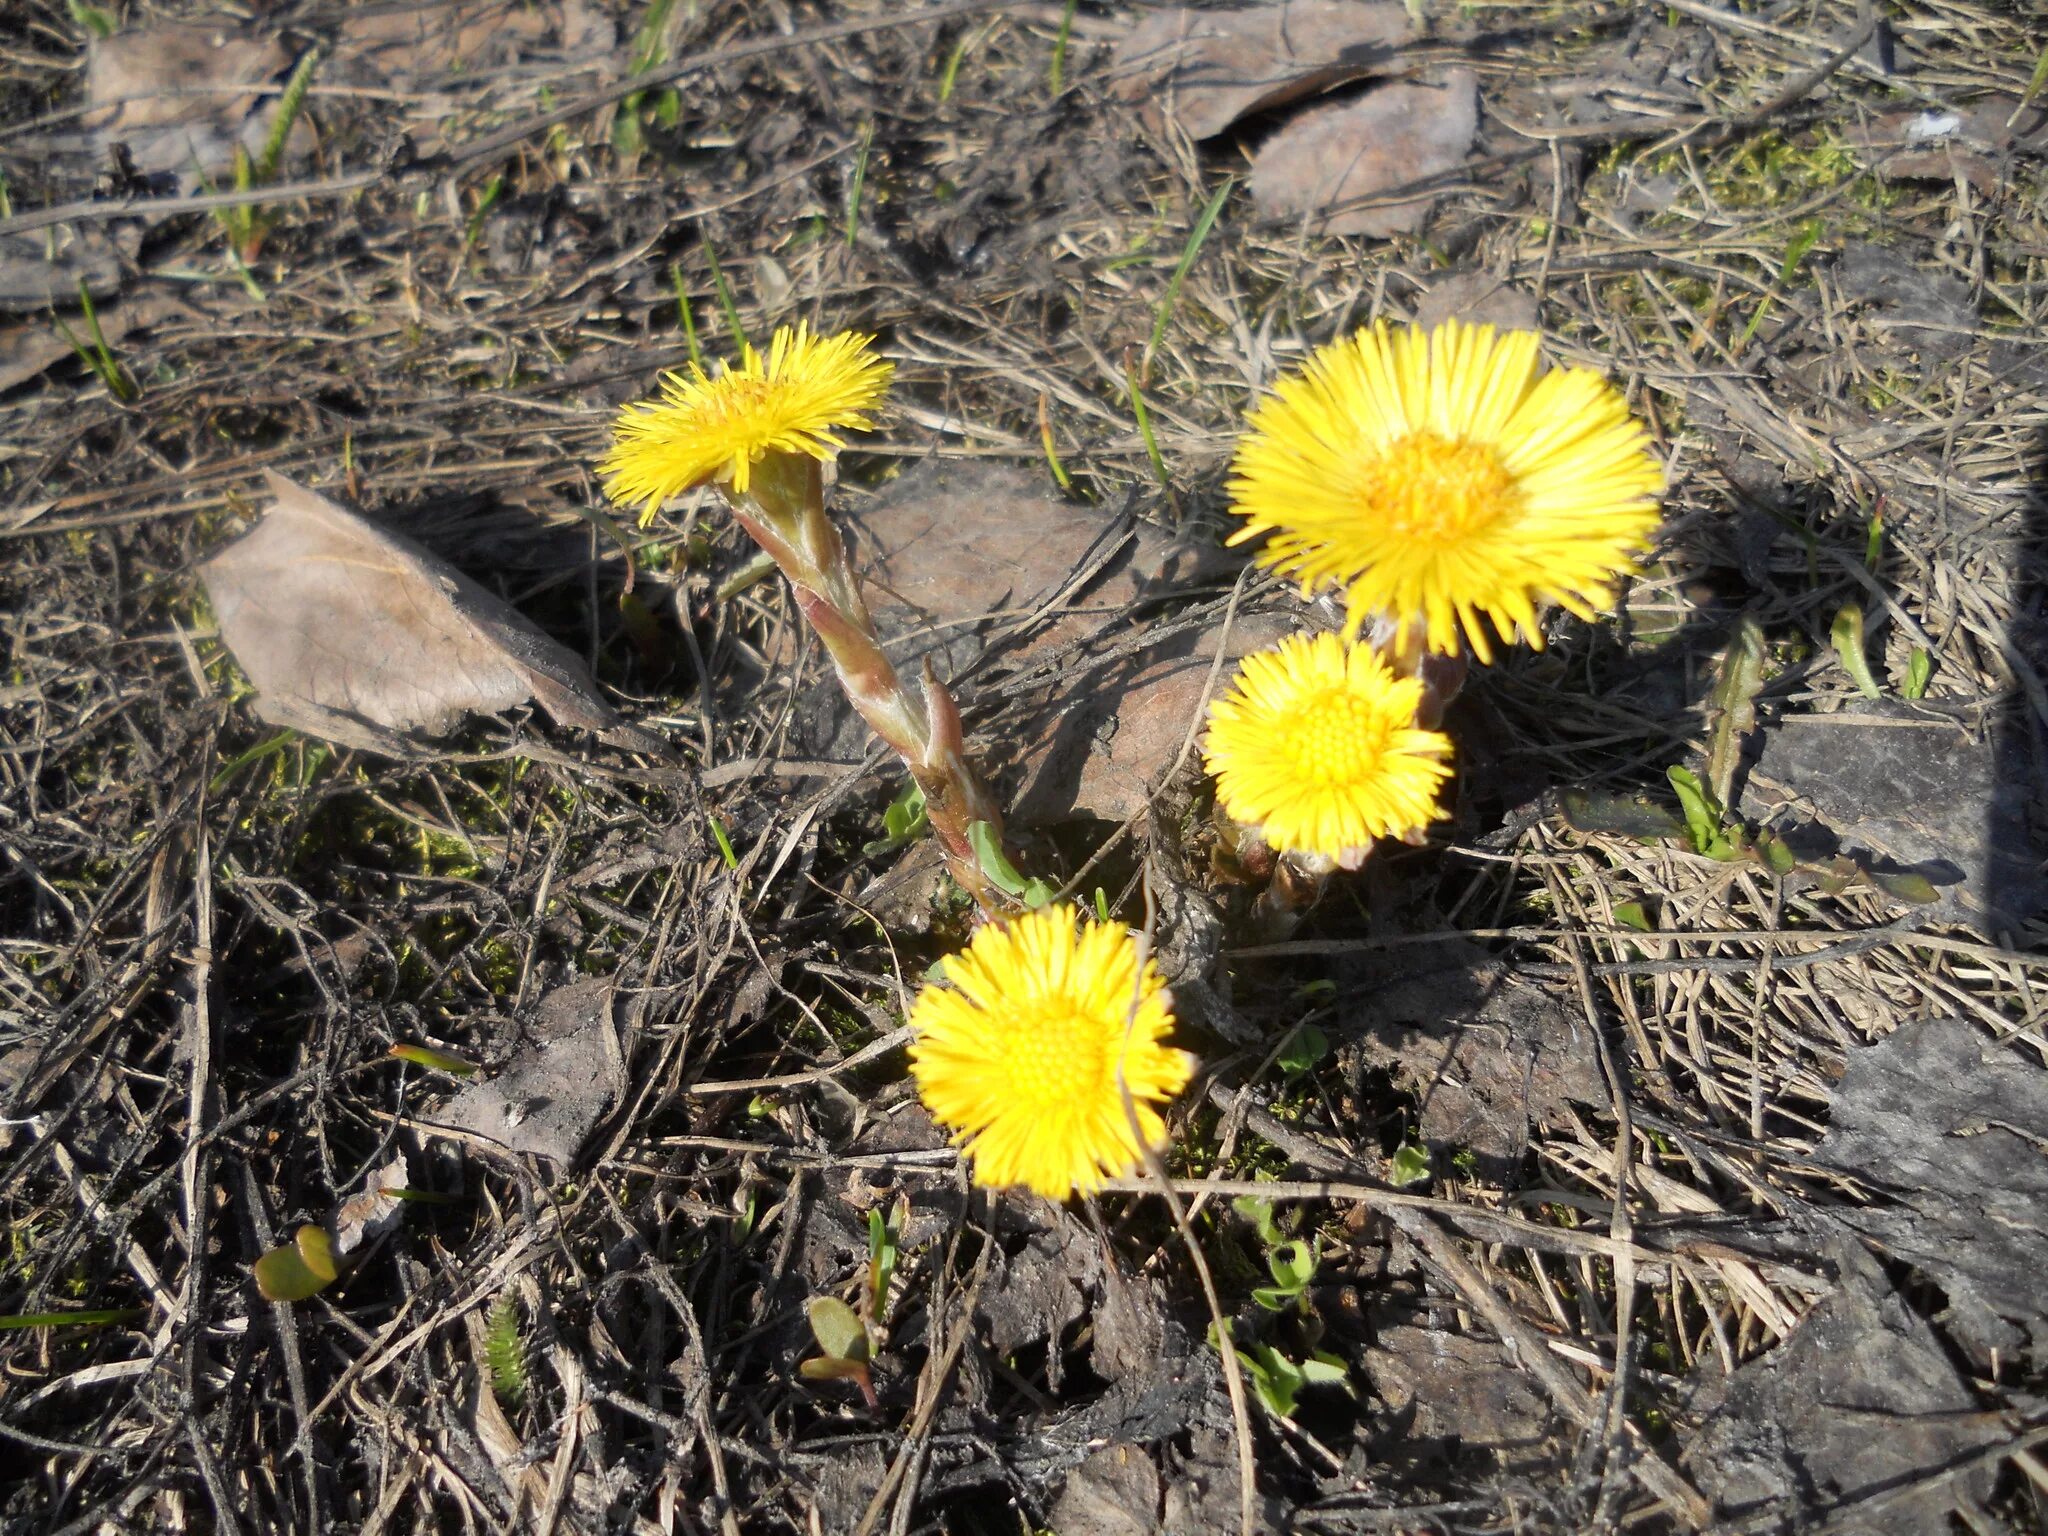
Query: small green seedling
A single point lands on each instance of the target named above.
(505, 1353)
(1409, 1165)
(883, 1252)
(1279, 1381)
(248, 224)
(843, 1338)
(1703, 815)
(732, 860)
(101, 1317)
(994, 863)
(1305, 1047)
(1631, 914)
(1292, 1262)
(903, 822)
(434, 1060)
(298, 1269)
(1847, 638)
(1293, 1265)
(1919, 672)
(99, 357)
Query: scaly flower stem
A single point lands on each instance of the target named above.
(783, 510)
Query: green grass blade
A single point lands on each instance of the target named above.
(1196, 236)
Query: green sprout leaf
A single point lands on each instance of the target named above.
(1409, 1165)
(732, 860)
(1917, 889)
(838, 1329)
(1847, 638)
(296, 1270)
(1702, 814)
(100, 1317)
(1305, 1047)
(1630, 914)
(993, 862)
(882, 1255)
(1293, 1265)
(903, 822)
(437, 1061)
(1919, 672)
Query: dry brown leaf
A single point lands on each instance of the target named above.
(1478, 298)
(1104, 747)
(354, 633)
(953, 551)
(30, 347)
(422, 44)
(1209, 68)
(167, 91)
(42, 269)
(1330, 160)
(363, 1218)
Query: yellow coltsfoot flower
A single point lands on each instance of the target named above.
(1020, 1054)
(706, 428)
(1316, 745)
(1442, 477)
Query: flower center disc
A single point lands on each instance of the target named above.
(1438, 491)
(1056, 1057)
(1333, 737)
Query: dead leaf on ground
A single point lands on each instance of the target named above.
(1976, 142)
(41, 270)
(423, 45)
(1210, 68)
(1456, 1390)
(354, 633)
(1115, 1492)
(1104, 743)
(1860, 1401)
(557, 1086)
(954, 554)
(182, 95)
(34, 345)
(1332, 161)
(1478, 298)
(1947, 1128)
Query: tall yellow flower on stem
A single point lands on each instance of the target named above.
(1448, 483)
(1316, 745)
(761, 431)
(795, 401)
(1022, 1053)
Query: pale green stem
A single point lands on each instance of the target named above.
(783, 510)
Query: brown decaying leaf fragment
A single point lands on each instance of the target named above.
(1331, 159)
(1207, 69)
(166, 92)
(354, 633)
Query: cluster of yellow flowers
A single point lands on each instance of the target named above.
(1444, 480)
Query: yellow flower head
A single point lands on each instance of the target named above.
(705, 428)
(1020, 1056)
(1316, 744)
(1442, 476)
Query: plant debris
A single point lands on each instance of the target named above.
(1209, 68)
(1344, 168)
(355, 633)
